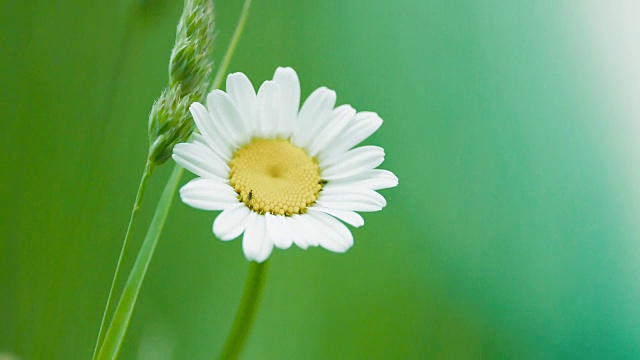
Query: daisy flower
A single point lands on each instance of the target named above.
(280, 173)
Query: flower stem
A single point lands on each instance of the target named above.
(122, 315)
(224, 64)
(136, 206)
(246, 311)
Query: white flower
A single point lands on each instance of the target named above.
(282, 174)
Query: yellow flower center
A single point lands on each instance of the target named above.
(274, 176)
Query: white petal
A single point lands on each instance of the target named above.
(375, 179)
(335, 235)
(313, 235)
(340, 117)
(243, 95)
(312, 116)
(361, 127)
(350, 217)
(267, 248)
(253, 234)
(255, 242)
(288, 231)
(207, 194)
(200, 160)
(289, 84)
(268, 109)
(279, 232)
(230, 223)
(224, 112)
(351, 198)
(209, 131)
(352, 162)
(199, 139)
(303, 233)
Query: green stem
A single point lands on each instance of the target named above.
(246, 311)
(136, 206)
(226, 60)
(122, 315)
(120, 322)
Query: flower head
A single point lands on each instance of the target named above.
(282, 174)
(169, 124)
(190, 64)
(189, 71)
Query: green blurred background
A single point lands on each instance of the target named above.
(512, 125)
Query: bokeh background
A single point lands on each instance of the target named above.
(513, 126)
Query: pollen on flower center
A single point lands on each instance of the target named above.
(271, 175)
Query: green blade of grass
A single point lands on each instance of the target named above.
(120, 322)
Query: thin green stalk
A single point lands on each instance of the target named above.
(136, 206)
(122, 315)
(226, 60)
(246, 311)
